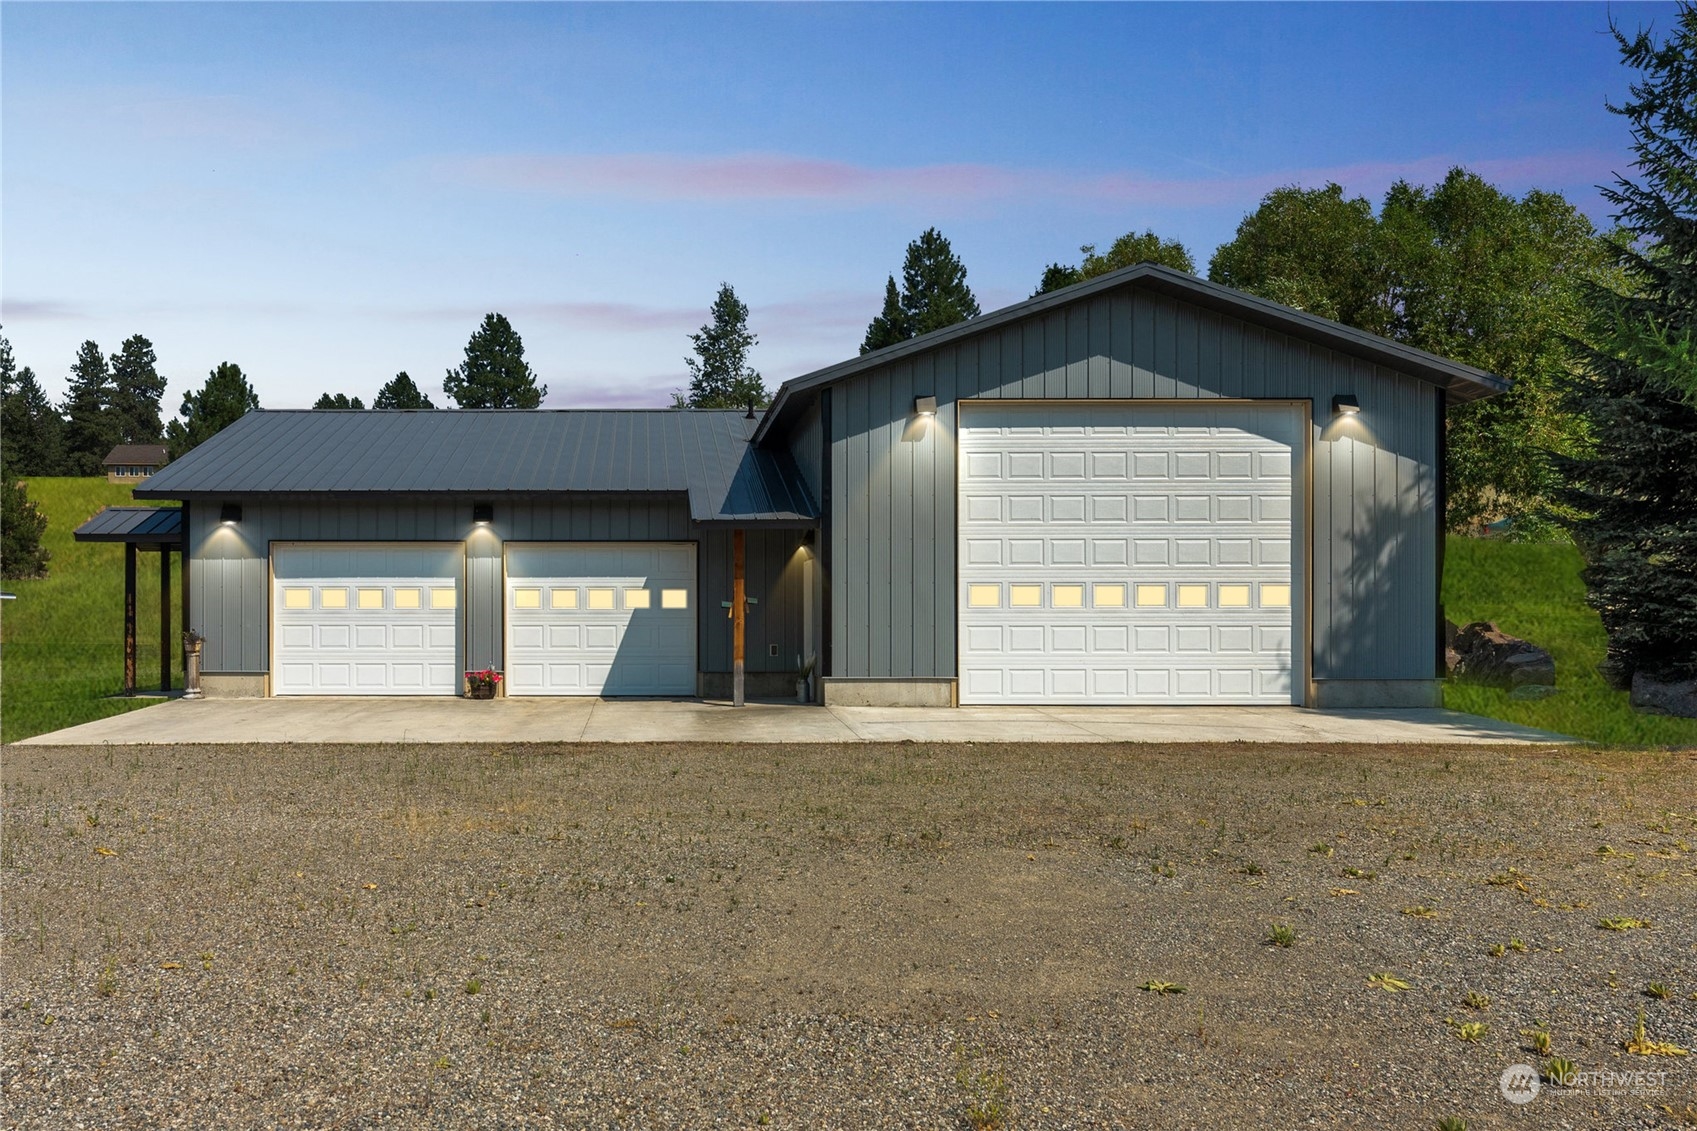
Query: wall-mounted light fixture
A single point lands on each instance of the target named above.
(230, 514)
(925, 406)
(483, 513)
(1345, 404)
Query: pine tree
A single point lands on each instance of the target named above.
(401, 393)
(719, 373)
(934, 290)
(494, 373)
(224, 399)
(31, 431)
(21, 528)
(339, 401)
(1636, 382)
(890, 326)
(137, 389)
(91, 428)
(933, 295)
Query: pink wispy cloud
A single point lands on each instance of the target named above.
(758, 177)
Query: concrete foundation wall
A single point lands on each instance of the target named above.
(1343, 694)
(889, 692)
(233, 685)
(755, 685)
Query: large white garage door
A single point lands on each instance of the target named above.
(607, 618)
(365, 619)
(1127, 554)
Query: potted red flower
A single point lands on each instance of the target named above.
(482, 684)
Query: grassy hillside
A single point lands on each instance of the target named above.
(62, 640)
(1534, 592)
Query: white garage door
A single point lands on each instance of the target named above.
(1127, 554)
(366, 619)
(605, 618)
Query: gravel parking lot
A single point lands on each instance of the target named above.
(843, 936)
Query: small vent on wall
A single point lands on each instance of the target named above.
(771, 649)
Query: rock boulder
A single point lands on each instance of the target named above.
(1485, 654)
(1659, 697)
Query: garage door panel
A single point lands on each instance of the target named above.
(353, 619)
(609, 619)
(1170, 567)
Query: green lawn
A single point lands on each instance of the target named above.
(62, 640)
(1533, 591)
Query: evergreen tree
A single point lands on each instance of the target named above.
(91, 428)
(719, 373)
(21, 528)
(494, 373)
(224, 399)
(934, 290)
(890, 326)
(401, 393)
(31, 431)
(338, 401)
(934, 294)
(137, 389)
(1636, 489)
(1127, 251)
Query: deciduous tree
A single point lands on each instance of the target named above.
(1461, 269)
(1312, 249)
(1127, 251)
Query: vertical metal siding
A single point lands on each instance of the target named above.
(229, 586)
(1373, 550)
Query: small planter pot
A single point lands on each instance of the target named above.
(481, 691)
(801, 695)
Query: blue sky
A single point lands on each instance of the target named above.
(327, 194)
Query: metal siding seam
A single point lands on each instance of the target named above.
(1142, 345)
(1052, 333)
(1097, 383)
(879, 522)
(856, 498)
(1077, 363)
(942, 532)
(1166, 349)
(1186, 378)
(1320, 522)
(903, 631)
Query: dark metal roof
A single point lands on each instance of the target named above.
(151, 455)
(702, 453)
(1460, 382)
(143, 525)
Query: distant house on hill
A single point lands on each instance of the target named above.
(131, 463)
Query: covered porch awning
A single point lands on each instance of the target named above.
(158, 529)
